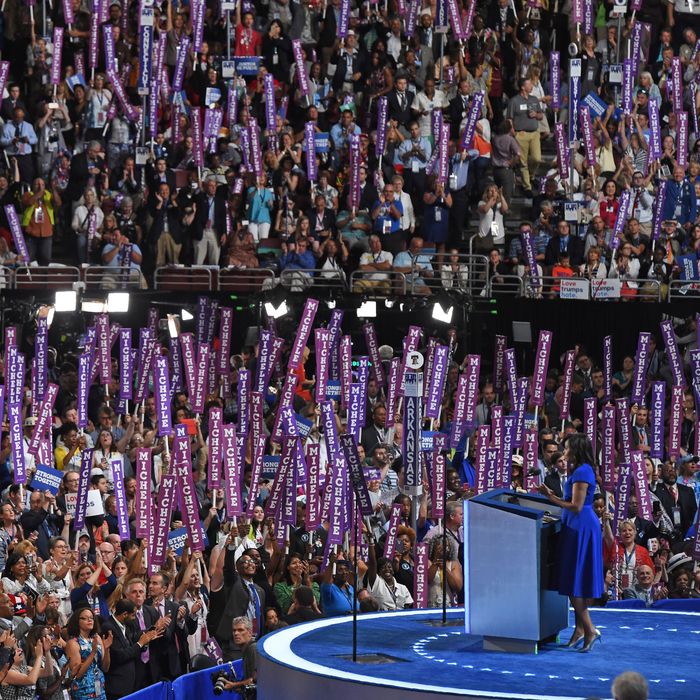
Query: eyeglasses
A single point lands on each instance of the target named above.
(245, 562)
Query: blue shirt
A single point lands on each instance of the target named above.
(395, 224)
(339, 134)
(21, 130)
(460, 168)
(336, 601)
(258, 209)
(414, 162)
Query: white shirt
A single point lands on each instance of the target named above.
(389, 599)
(421, 103)
(408, 218)
(372, 259)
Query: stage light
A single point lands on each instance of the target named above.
(66, 300)
(118, 302)
(331, 304)
(186, 315)
(389, 303)
(173, 325)
(93, 307)
(441, 314)
(368, 309)
(277, 312)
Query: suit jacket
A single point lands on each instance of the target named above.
(328, 221)
(202, 215)
(125, 655)
(371, 438)
(455, 110)
(165, 655)
(368, 196)
(686, 503)
(237, 600)
(79, 175)
(153, 180)
(359, 65)
(553, 481)
(146, 674)
(574, 248)
(394, 111)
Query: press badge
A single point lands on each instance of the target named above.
(676, 516)
(495, 229)
(414, 166)
(386, 226)
(452, 180)
(438, 214)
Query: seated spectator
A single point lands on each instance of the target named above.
(87, 224)
(381, 583)
(304, 607)
(644, 588)
(454, 274)
(334, 256)
(416, 266)
(300, 259)
(626, 269)
(376, 259)
(241, 251)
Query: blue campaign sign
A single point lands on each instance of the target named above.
(333, 389)
(271, 464)
(426, 441)
(46, 479)
(247, 65)
(177, 540)
(322, 141)
(596, 106)
(303, 425)
(689, 266)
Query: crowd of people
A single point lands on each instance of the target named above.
(287, 135)
(62, 584)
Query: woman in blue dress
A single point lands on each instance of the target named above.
(580, 539)
(88, 656)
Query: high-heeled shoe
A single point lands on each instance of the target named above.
(574, 642)
(587, 647)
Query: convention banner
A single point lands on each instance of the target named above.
(83, 389)
(641, 486)
(658, 210)
(483, 436)
(120, 496)
(437, 483)
(182, 462)
(607, 368)
(390, 542)
(682, 138)
(625, 428)
(161, 382)
(258, 449)
(313, 487)
(43, 421)
(392, 391)
(672, 353)
(472, 118)
(590, 422)
(182, 52)
(607, 457)
(322, 354)
(555, 79)
(675, 421)
(437, 382)
(143, 504)
(566, 387)
(370, 333)
(539, 376)
(498, 362)
(303, 333)
(16, 231)
(382, 115)
(420, 577)
(57, 59)
(231, 469)
(530, 480)
(622, 494)
(225, 332)
(83, 483)
(199, 399)
(656, 419)
(641, 365)
(412, 421)
(161, 527)
(357, 479)
(126, 368)
(335, 486)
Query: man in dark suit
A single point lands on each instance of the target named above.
(375, 433)
(641, 435)
(678, 500)
(86, 168)
(322, 219)
(208, 230)
(155, 175)
(556, 478)
(125, 652)
(145, 619)
(368, 193)
(7, 110)
(562, 242)
(165, 651)
(244, 599)
(399, 104)
(459, 108)
(351, 67)
(38, 519)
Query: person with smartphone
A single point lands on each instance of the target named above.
(88, 655)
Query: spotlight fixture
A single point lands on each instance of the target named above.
(186, 315)
(66, 300)
(442, 314)
(368, 309)
(331, 304)
(173, 325)
(389, 303)
(118, 302)
(276, 312)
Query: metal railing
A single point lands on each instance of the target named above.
(178, 278)
(246, 280)
(300, 280)
(467, 274)
(683, 289)
(378, 284)
(103, 277)
(51, 277)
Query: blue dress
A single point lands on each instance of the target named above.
(581, 543)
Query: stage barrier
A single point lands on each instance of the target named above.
(192, 685)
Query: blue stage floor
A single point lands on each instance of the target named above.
(663, 646)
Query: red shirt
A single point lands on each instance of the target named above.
(248, 41)
(608, 212)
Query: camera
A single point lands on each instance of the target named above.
(220, 678)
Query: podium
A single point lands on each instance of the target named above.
(510, 570)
